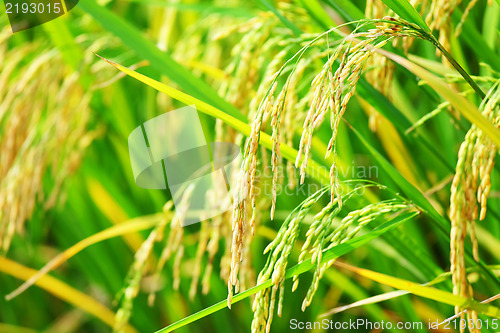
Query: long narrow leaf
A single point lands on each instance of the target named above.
(424, 291)
(317, 172)
(161, 61)
(419, 199)
(406, 11)
(296, 31)
(62, 291)
(458, 101)
(411, 191)
(124, 228)
(303, 267)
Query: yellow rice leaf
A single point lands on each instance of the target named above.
(185, 98)
(287, 152)
(112, 210)
(6, 328)
(424, 291)
(394, 147)
(459, 102)
(212, 71)
(134, 225)
(62, 291)
(313, 168)
(432, 65)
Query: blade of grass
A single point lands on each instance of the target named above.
(62, 291)
(424, 291)
(124, 228)
(406, 11)
(317, 12)
(397, 293)
(383, 105)
(411, 192)
(298, 269)
(364, 302)
(314, 169)
(476, 43)
(240, 11)
(347, 9)
(6, 328)
(318, 173)
(161, 61)
(419, 199)
(113, 211)
(459, 68)
(296, 31)
(458, 101)
(432, 65)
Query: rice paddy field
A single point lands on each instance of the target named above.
(351, 182)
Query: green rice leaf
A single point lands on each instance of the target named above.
(406, 11)
(347, 9)
(298, 269)
(458, 101)
(411, 191)
(159, 60)
(424, 291)
(296, 31)
(319, 173)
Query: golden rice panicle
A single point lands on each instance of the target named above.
(321, 100)
(332, 91)
(467, 10)
(248, 57)
(210, 235)
(279, 251)
(273, 109)
(36, 144)
(200, 251)
(469, 191)
(172, 245)
(382, 69)
(439, 17)
(346, 78)
(212, 248)
(293, 113)
(375, 9)
(136, 272)
(133, 282)
(244, 192)
(326, 232)
(275, 137)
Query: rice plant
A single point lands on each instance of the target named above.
(367, 195)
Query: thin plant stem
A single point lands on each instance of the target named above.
(459, 68)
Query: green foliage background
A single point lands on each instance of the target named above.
(102, 192)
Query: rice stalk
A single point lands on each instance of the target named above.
(469, 193)
(45, 131)
(381, 69)
(330, 93)
(245, 191)
(136, 272)
(275, 268)
(325, 232)
(333, 89)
